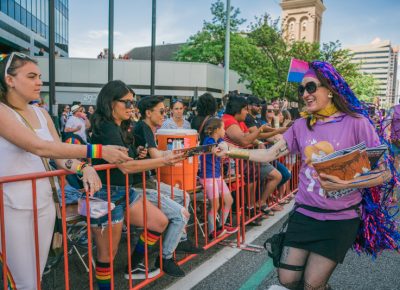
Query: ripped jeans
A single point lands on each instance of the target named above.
(177, 220)
(118, 195)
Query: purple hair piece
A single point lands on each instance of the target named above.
(378, 230)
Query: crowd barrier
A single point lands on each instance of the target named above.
(235, 175)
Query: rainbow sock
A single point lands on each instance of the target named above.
(138, 253)
(103, 275)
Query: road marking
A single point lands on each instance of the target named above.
(220, 258)
(259, 276)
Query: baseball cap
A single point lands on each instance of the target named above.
(75, 108)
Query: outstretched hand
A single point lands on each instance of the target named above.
(115, 154)
(173, 157)
(221, 150)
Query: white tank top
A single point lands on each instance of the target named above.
(15, 161)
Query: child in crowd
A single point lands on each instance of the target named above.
(213, 183)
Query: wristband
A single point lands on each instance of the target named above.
(94, 150)
(80, 168)
(239, 153)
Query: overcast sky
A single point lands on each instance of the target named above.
(351, 22)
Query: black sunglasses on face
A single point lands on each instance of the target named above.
(128, 103)
(270, 111)
(256, 105)
(310, 87)
(161, 111)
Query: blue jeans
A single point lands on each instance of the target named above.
(286, 175)
(174, 212)
(118, 194)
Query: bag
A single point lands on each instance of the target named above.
(276, 247)
(97, 207)
(57, 241)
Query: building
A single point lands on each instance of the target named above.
(379, 59)
(302, 20)
(79, 79)
(165, 52)
(24, 26)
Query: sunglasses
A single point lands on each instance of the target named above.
(128, 103)
(256, 105)
(177, 101)
(270, 111)
(161, 111)
(310, 87)
(10, 60)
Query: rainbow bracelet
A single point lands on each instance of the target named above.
(94, 151)
(80, 167)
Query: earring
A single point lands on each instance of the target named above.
(330, 96)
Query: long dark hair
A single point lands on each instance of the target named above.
(18, 61)
(337, 100)
(112, 91)
(206, 105)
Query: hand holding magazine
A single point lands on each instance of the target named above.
(191, 151)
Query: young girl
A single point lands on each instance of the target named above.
(214, 184)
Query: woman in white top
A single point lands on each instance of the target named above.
(21, 149)
(176, 121)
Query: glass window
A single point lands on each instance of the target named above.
(23, 16)
(34, 12)
(29, 20)
(3, 6)
(17, 13)
(29, 6)
(23, 3)
(11, 10)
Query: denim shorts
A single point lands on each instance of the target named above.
(118, 197)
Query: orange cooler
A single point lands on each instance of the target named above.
(182, 174)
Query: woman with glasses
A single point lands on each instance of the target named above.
(111, 122)
(27, 138)
(177, 121)
(321, 229)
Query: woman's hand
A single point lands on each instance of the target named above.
(91, 181)
(332, 183)
(142, 152)
(115, 154)
(221, 150)
(173, 157)
(266, 129)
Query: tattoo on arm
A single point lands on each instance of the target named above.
(68, 163)
(281, 150)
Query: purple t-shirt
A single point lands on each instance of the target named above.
(326, 137)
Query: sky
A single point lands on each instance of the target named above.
(352, 22)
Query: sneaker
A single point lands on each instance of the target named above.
(170, 267)
(230, 230)
(139, 272)
(188, 247)
(220, 232)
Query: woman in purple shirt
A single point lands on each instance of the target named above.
(321, 229)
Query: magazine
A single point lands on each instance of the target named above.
(349, 163)
(191, 151)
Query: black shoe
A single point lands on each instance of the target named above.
(188, 247)
(170, 267)
(139, 272)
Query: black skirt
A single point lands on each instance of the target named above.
(330, 239)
